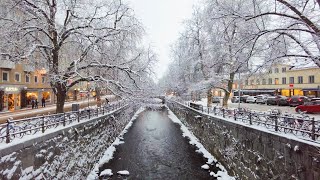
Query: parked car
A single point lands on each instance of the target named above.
(309, 107)
(244, 98)
(297, 100)
(261, 99)
(235, 99)
(282, 100)
(271, 100)
(216, 99)
(251, 99)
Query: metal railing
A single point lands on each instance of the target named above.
(300, 125)
(13, 129)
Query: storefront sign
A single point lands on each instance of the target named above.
(11, 89)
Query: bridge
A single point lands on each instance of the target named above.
(175, 140)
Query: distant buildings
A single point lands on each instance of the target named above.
(284, 80)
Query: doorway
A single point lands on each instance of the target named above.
(11, 102)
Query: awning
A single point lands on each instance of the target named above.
(311, 89)
(256, 90)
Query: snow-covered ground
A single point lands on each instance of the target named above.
(259, 107)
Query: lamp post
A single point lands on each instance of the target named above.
(239, 90)
(88, 93)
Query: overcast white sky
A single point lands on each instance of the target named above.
(163, 21)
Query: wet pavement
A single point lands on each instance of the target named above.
(154, 148)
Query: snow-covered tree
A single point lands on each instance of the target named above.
(87, 40)
(291, 28)
(218, 45)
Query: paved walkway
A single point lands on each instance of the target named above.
(154, 148)
(28, 112)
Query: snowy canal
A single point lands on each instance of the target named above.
(156, 146)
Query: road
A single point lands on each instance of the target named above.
(154, 148)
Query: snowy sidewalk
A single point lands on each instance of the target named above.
(40, 111)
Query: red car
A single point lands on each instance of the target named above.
(309, 107)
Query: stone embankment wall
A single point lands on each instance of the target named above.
(249, 153)
(69, 153)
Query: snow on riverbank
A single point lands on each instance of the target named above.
(108, 154)
(222, 174)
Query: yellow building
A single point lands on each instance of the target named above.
(21, 83)
(285, 80)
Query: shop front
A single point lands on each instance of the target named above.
(10, 97)
(33, 94)
(311, 92)
(291, 92)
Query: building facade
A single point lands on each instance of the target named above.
(285, 80)
(20, 83)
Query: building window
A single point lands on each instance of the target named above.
(276, 81)
(247, 82)
(27, 78)
(284, 69)
(300, 79)
(270, 71)
(17, 77)
(43, 79)
(5, 76)
(36, 79)
(284, 80)
(291, 80)
(311, 79)
(276, 70)
(270, 80)
(264, 82)
(258, 82)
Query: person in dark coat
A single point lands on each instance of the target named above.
(36, 104)
(107, 101)
(32, 103)
(43, 102)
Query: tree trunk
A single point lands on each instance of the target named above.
(229, 89)
(61, 97)
(209, 97)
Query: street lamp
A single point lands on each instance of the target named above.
(88, 93)
(239, 90)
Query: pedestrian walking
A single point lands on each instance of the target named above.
(43, 102)
(36, 104)
(32, 103)
(107, 100)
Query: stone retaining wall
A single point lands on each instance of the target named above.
(249, 153)
(69, 153)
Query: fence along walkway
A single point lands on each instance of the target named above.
(301, 126)
(14, 129)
